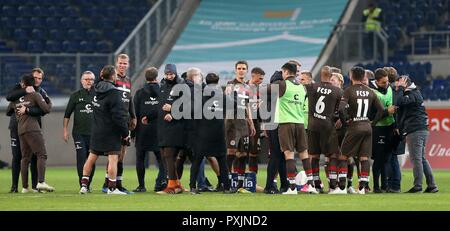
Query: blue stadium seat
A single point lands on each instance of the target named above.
(441, 92)
(53, 46)
(55, 34)
(437, 5)
(78, 23)
(106, 24)
(421, 46)
(9, 11)
(142, 11)
(24, 11)
(427, 66)
(432, 17)
(23, 22)
(70, 46)
(87, 47)
(392, 41)
(70, 11)
(37, 22)
(37, 34)
(5, 49)
(75, 34)
(20, 34)
(441, 27)
(53, 23)
(56, 11)
(35, 46)
(22, 44)
(384, 4)
(403, 17)
(438, 40)
(38, 11)
(8, 22)
(419, 18)
(421, 4)
(92, 11)
(411, 27)
(390, 18)
(129, 11)
(112, 11)
(66, 22)
(426, 91)
(92, 35)
(103, 47)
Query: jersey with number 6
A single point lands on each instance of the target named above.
(361, 100)
(323, 101)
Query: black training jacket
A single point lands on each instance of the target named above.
(146, 104)
(110, 118)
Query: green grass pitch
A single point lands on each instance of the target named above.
(66, 196)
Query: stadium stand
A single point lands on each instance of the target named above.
(402, 18)
(63, 26)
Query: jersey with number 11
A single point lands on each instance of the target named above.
(361, 101)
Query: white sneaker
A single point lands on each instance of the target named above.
(362, 192)
(290, 192)
(351, 190)
(45, 187)
(116, 192)
(25, 190)
(337, 191)
(84, 190)
(307, 188)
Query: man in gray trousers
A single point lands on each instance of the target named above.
(413, 124)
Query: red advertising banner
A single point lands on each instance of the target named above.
(439, 119)
(437, 149)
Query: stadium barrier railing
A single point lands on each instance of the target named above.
(355, 43)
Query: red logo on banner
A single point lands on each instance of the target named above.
(439, 119)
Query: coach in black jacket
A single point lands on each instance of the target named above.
(146, 108)
(413, 124)
(109, 128)
(170, 130)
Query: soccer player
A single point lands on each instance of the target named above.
(240, 128)
(170, 130)
(289, 115)
(146, 107)
(123, 83)
(306, 77)
(383, 131)
(30, 134)
(323, 99)
(109, 129)
(80, 103)
(360, 102)
(15, 94)
(338, 81)
(254, 101)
